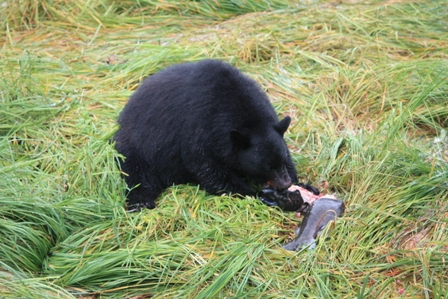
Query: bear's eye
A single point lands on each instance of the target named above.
(275, 166)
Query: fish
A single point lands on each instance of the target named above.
(320, 213)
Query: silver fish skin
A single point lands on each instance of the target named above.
(322, 211)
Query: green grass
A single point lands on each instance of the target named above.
(365, 83)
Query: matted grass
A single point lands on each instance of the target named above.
(365, 83)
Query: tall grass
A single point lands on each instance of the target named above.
(364, 82)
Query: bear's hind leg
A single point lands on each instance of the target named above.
(141, 198)
(143, 186)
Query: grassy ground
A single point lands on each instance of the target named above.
(364, 81)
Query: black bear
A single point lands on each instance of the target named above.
(204, 123)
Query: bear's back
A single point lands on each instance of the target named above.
(208, 90)
(195, 103)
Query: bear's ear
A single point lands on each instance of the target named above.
(283, 125)
(239, 139)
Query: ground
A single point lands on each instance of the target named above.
(363, 81)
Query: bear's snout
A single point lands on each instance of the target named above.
(281, 180)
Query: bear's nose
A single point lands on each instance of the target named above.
(284, 184)
(280, 185)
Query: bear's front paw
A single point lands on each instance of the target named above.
(286, 200)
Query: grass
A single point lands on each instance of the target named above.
(365, 83)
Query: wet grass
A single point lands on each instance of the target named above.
(365, 83)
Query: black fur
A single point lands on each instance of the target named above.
(204, 123)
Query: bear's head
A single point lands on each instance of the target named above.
(262, 155)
